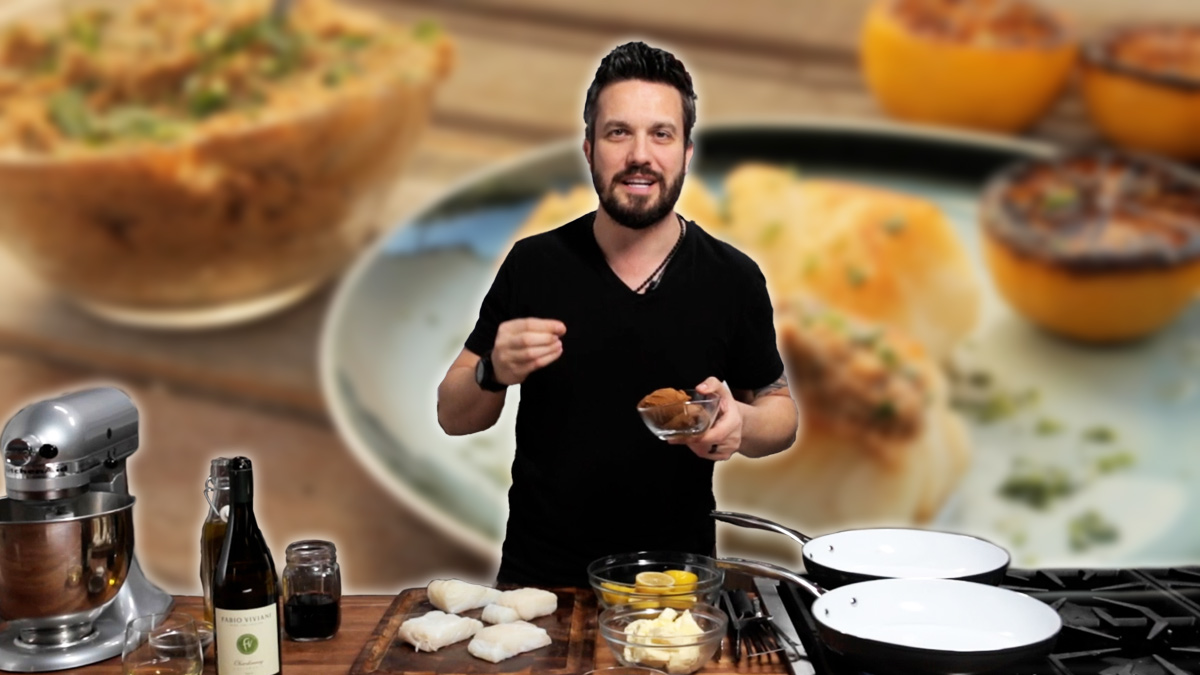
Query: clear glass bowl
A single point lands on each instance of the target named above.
(204, 629)
(682, 420)
(614, 579)
(232, 220)
(675, 655)
(624, 670)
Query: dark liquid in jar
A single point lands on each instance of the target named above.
(311, 616)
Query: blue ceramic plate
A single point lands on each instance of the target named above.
(1127, 420)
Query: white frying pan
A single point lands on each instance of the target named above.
(938, 626)
(888, 553)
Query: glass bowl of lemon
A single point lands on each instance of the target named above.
(655, 579)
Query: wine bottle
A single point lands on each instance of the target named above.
(245, 588)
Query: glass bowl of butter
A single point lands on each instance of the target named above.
(673, 641)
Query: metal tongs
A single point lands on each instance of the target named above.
(753, 626)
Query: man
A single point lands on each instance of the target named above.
(594, 315)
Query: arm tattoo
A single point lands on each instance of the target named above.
(779, 386)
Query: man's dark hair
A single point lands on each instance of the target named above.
(639, 61)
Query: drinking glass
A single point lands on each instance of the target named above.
(162, 644)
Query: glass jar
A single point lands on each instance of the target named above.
(212, 533)
(312, 591)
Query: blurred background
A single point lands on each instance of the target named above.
(519, 73)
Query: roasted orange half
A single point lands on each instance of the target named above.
(987, 64)
(1142, 88)
(1100, 247)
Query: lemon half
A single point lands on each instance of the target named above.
(654, 582)
(684, 580)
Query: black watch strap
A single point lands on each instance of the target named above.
(485, 374)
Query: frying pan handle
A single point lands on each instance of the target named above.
(747, 520)
(764, 569)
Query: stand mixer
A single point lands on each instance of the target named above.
(69, 581)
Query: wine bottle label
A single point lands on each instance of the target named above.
(247, 641)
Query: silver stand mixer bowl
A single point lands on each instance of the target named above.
(69, 580)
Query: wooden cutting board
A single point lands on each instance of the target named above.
(572, 628)
(577, 645)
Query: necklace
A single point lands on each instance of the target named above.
(652, 282)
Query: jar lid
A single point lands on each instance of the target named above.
(315, 550)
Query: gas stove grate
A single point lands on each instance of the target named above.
(1115, 622)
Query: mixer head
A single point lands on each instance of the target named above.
(64, 446)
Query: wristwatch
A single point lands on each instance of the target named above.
(485, 374)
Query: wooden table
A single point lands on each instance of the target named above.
(522, 71)
(359, 616)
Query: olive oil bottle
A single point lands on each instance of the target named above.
(212, 533)
(245, 587)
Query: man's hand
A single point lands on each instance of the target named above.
(724, 437)
(525, 345)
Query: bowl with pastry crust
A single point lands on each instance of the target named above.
(183, 163)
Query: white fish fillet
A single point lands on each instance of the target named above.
(530, 603)
(499, 614)
(454, 596)
(506, 640)
(434, 630)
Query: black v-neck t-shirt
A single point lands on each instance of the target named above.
(589, 479)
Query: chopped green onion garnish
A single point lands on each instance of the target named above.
(1115, 461)
(1089, 529)
(426, 30)
(69, 112)
(1048, 427)
(1100, 435)
(895, 224)
(770, 233)
(1060, 198)
(1037, 489)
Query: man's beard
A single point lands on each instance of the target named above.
(639, 213)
